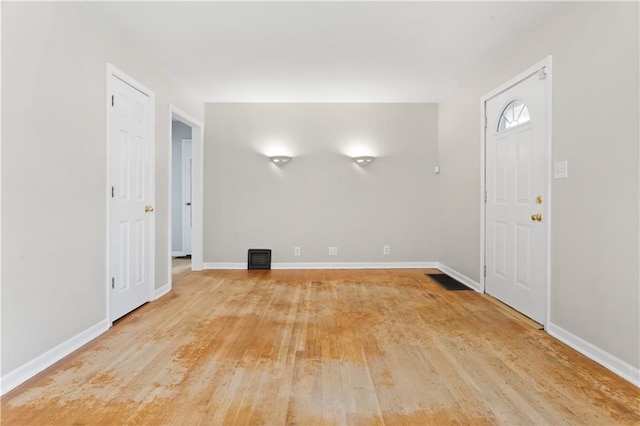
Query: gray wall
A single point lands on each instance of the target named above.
(179, 131)
(595, 278)
(321, 198)
(54, 59)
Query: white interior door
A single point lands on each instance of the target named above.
(516, 210)
(130, 207)
(187, 218)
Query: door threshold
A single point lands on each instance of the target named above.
(517, 315)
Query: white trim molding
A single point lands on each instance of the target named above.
(178, 254)
(23, 373)
(474, 285)
(159, 292)
(610, 362)
(322, 265)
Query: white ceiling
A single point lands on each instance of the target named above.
(322, 51)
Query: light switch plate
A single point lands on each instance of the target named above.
(561, 169)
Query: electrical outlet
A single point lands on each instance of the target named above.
(386, 249)
(333, 251)
(296, 251)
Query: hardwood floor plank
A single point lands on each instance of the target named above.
(386, 347)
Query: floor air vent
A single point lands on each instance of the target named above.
(259, 259)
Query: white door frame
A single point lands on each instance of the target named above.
(546, 62)
(186, 172)
(197, 197)
(113, 71)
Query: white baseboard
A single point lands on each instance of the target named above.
(611, 362)
(355, 265)
(328, 265)
(159, 292)
(222, 265)
(47, 359)
(460, 277)
(178, 254)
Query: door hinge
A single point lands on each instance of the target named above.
(113, 282)
(113, 191)
(485, 121)
(485, 196)
(485, 271)
(113, 100)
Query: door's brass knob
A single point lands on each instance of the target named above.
(148, 209)
(536, 217)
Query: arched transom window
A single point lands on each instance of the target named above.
(514, 114)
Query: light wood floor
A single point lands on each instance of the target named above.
(322, 347)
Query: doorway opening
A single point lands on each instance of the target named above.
(181, 189)
(185, 193)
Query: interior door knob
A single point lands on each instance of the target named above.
(536, 217)
(148, 209)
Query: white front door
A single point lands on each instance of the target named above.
(130, 206)
(186, 196)
(516, 210)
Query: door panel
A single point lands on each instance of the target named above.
(139, 258)
(130, 176)
(516, 173)
(523, 255)
(500, 181)
(125, 263)
(500, 249)
(523, 167)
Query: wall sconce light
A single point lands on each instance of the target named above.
(280, 160)
(363, 161)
